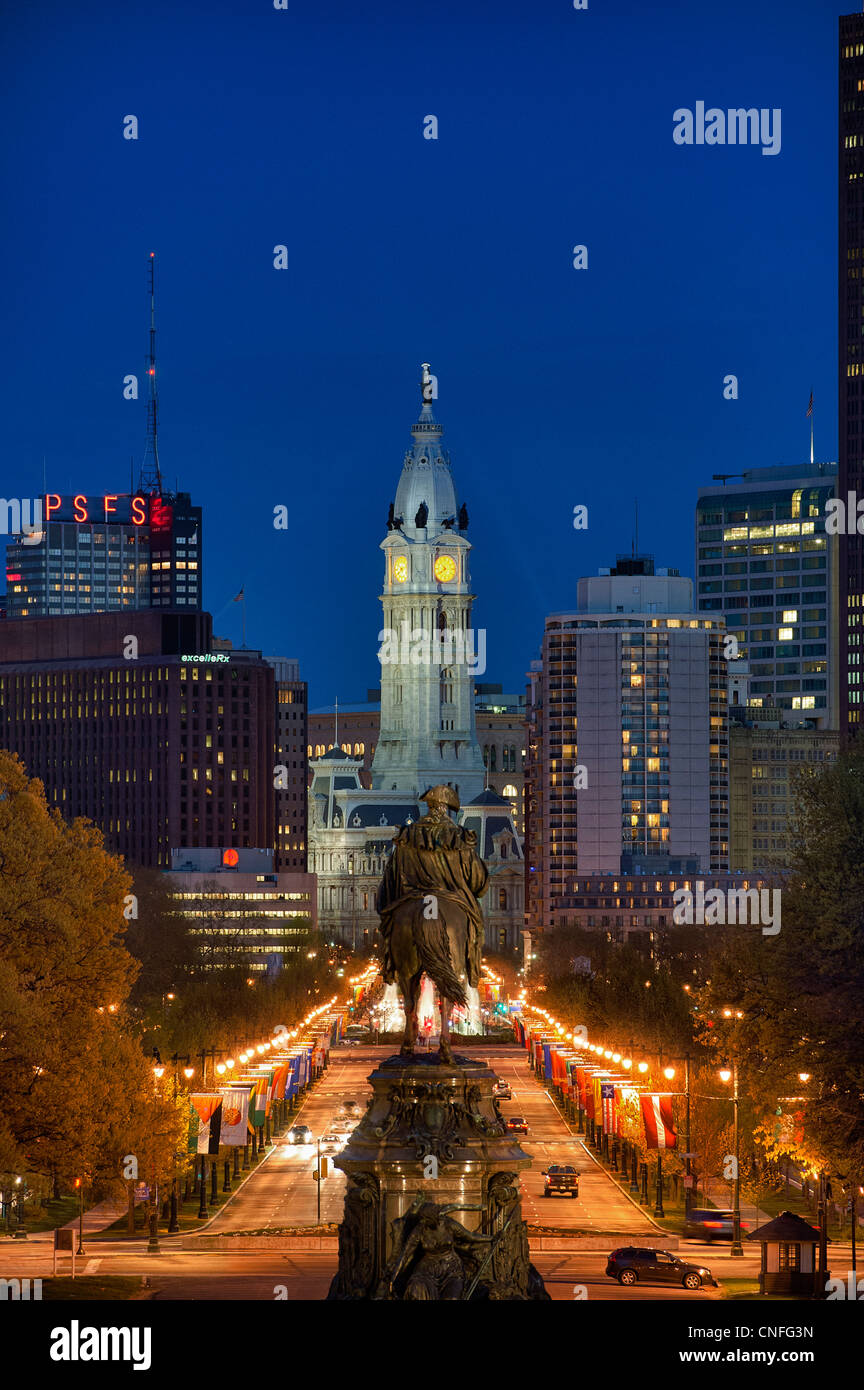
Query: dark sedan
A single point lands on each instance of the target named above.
(517, 1124)
(636, 1265)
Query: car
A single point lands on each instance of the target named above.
(560, 1180)
(635, 1265)
(332, 1142)
(710, 1223)
(502, 1091)
(344, 1125)
(300, 1134)
(517, 1125)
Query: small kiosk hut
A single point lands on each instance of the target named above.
(790, 1259)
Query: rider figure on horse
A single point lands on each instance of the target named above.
(431, 920)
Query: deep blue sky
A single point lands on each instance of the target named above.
(557, 387)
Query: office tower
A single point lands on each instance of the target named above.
(165, 745)
(851, 363)
(290, 779)
(627, 737)
(242, 911)
(98, 553)
(764, 562)
(764, 756)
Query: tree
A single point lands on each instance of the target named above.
(76, 1087)
(613, 989)
(800, 993)
(158, 937)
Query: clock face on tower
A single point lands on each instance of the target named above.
(400, 569)
(445, 569)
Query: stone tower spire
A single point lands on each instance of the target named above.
(430, 654)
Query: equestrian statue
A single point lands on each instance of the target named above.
(431, 921)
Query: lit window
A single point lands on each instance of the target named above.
(790, 615)
(784, 634)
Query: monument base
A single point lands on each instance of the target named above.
(432, 1206)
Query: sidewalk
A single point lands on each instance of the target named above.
(103, 1215)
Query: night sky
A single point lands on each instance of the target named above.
(259, 127)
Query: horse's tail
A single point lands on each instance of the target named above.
(432, 944)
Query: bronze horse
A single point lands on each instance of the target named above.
(430, 916)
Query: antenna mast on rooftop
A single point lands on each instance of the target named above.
(150, 479)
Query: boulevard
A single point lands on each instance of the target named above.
(281, 1194)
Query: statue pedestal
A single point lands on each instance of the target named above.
(430, 1167)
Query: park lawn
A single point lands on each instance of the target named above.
(749, 1289)
(91, 1288)
(48, 1218)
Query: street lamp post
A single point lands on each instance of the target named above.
(153, 1242)
(658, 1204)
(688, 1171)
(202, 1204)
(822, 1220)
(737, 1248)
(80, 1185)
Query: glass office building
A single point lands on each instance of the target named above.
(764, 562)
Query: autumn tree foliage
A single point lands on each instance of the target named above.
(78, 1095)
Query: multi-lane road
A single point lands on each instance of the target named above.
(281, 1193)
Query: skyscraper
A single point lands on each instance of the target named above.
(765, 562)
(628, 737)
(99, 553)
(290, 778)
(172, 747)
(851, 361)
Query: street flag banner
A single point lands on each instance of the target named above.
(610, 1108)
(280, 1081)
(258, 1102)
(209, 1111)
(659, 1122)
(235, 1117)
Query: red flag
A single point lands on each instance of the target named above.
(659, 1122)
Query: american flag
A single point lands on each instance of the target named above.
(610, 1116)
